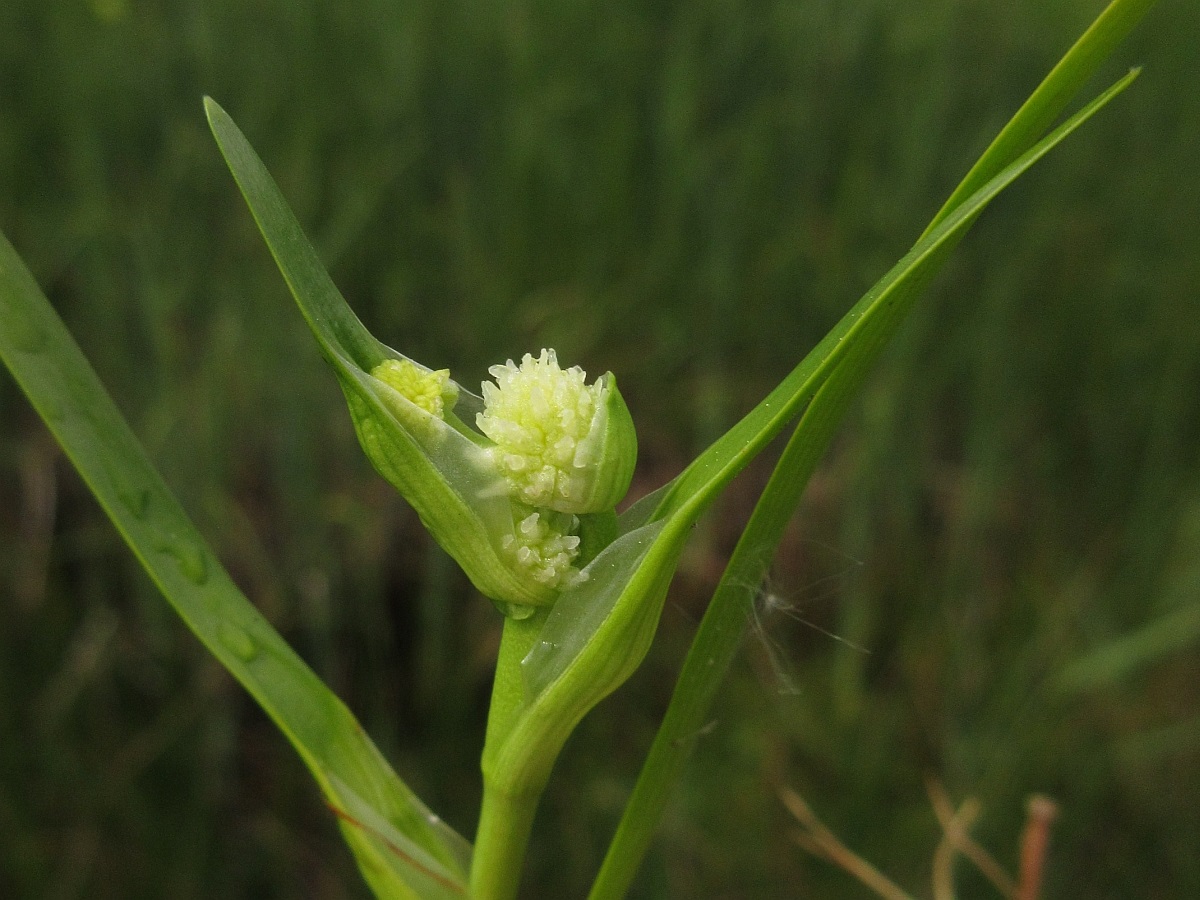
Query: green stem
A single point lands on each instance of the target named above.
(506, 818)
(504, 825)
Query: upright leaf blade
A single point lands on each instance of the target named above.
(844, 356)
(342, 337)
(1050, 97)
(63, 388)
(614, 646)
(724, 621)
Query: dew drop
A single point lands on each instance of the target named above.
(517, 611)
(237, 641)
(137, 502)
(190, 559)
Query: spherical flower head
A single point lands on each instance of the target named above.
(543, 552)
(561, 443)
(430, 392)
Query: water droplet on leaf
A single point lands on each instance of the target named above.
(190, 559)
(237, 641)
(137, 502)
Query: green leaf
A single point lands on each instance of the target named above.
(721, 630)
(564, 686)
(402, 849)
(1051, 97)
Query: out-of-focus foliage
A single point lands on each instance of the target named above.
(687, 194)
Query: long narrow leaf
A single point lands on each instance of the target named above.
(724, 621)
(575, 683)
(1051, 97)
(416, 856)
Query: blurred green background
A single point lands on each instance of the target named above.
(994, 577)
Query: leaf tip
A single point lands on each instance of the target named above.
(212, 109)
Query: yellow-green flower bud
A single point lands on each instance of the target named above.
(561, 444)
(424, 396)
(433, 392)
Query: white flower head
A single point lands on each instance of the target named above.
(546, 554)
(561, 443)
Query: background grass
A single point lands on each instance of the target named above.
(1003, 541)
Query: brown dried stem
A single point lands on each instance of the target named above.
(820, 841)
(1040, 814)
(954, 826)
(954, 830)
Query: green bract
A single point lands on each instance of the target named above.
(504, 508)
(518, 545)
(447, 476)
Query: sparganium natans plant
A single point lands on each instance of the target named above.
(520, 485)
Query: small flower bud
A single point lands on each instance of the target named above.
(433, 392)
(562, 444)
